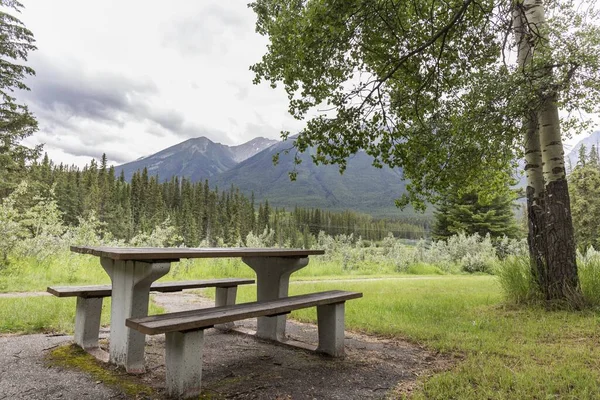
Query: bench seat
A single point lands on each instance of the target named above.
(185, 331)
(95, 291)
(89, 302)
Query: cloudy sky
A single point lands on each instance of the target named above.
(129, 78)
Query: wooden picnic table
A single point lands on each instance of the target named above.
(132, 271)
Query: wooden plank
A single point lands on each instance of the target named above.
(175, 254)
(203, 318)
(225, 282)
(81, 291)
(105, 290)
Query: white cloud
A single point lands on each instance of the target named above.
(131, 78)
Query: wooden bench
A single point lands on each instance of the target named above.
(89, 302)
(185, 332)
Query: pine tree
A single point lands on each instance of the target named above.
(593, 159)
(16, 122)
(470, 214)
(585, 204)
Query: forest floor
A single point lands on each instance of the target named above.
(235, 365)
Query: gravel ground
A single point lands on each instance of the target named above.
(24, 374)
(236, 366)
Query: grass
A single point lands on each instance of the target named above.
(509, 352)
(506, 352)
(26, 275)
(47, 314)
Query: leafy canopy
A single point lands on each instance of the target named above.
(429, 86)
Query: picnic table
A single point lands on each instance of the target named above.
(133, 270)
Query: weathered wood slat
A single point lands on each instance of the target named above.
(204, 318)
(174, 254)
(105, 290)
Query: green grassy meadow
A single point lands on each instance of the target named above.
(504, 351)
(507, 352)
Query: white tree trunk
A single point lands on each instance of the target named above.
(533, 153)
(558, 270)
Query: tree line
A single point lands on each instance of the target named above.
(201, 214)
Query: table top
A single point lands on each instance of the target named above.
(176, 253)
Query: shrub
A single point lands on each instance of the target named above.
(460, 253)
(479, 262)
(510, 247)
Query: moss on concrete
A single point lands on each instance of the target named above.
(73, 357)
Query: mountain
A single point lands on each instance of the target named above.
(588, 142)
(249, 167)
(248, 149)
(362, 187)
(197, 159)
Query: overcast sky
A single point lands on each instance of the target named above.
(130, 78)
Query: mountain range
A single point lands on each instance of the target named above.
(249, 167)
(196, 159)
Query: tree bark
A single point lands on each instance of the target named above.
(535, 201)
(562, 280)
(551, 237)
(533, 153)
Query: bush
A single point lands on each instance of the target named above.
(479, 262)
(506, 247)
(460, 253)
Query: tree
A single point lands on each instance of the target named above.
(469, 213)
(584, 183)
(16, 122)
(429, 86)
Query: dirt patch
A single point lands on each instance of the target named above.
(239, 366)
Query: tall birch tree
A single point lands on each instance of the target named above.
(447, 90)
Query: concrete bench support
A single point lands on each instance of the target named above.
(131, 282)
(185, 331)
(225, 296)
(330, 323)
(183, 361)
(273, 282)
(89, 303)
(87, 322)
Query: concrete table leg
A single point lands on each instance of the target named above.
(225, 296)
(272, 282)
(87, 322)
(330, 323)
(131, 282)
(183, 361)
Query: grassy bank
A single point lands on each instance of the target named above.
(509, 353)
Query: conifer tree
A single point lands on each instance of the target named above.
(16, 122)
(584, 184)
(469, 213)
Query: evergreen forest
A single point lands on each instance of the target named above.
(200, 214)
